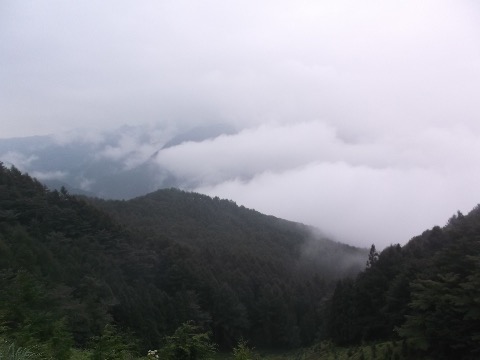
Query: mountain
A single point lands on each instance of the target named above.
(199, 221)
(251, 257)
(118, 164)
(70, 266)
(426, 293)
(75, 270)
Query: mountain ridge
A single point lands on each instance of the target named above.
(232, 270)
(115, 164)
(73, 267)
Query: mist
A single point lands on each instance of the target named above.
(358, 118)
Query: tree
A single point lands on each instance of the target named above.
(445, 318)
(188, 343)
(61, 341)
(242, 351)
(372, 256)
(111, 345)
(341, 314)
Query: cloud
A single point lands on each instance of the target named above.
(279, 147)
(17, 159)
(268, 147)
(49, 175)
(86, 184)
(363, 113)
(79, 135)
(354, 191)
(357, 66)
(133, 146)
(354, 204)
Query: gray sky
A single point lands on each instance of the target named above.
(359, 117)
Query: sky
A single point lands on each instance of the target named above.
(358, 117)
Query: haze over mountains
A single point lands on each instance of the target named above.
(120, 164)
(358, 118)
(303, 172)
(346, 115)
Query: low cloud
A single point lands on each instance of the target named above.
(80, 135)
(353, 204)
(86, 184)
(380, 191)
(17, 159)
(134, 145)
(129, 151)
(49, 175)
(243, 155)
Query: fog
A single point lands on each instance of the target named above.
(360, 118)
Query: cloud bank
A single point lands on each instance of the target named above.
(358, 117)
(381, 191)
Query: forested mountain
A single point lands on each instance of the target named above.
(220, 229)
(426, 292)
(71, 266)
(74, 270)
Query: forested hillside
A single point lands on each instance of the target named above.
(80, 272)
(224, 232)
(426, 293)
(70, 270)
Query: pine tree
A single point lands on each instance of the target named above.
(372, 256)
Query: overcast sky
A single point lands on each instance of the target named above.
(359, 117)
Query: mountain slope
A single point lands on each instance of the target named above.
(175, 257)
(199, 221)
(426, 292)
(256, 263)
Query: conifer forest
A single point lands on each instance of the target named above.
(180, 275)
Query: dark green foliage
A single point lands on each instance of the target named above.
(61, 341)
(362, 355)
(341, 314)
(372, 257)
(59, 263)
(243, 352)
(111, 345)
(242, 273)
(426, 292)
(362, 301)
(69, 272)
(176, 257)
(188, 343)
(9, 351)
(31, 314)
(445, 317)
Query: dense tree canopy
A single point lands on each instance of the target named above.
(426, 293)
(122, 275)
(148, 265)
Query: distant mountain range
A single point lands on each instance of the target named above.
(119, 164)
